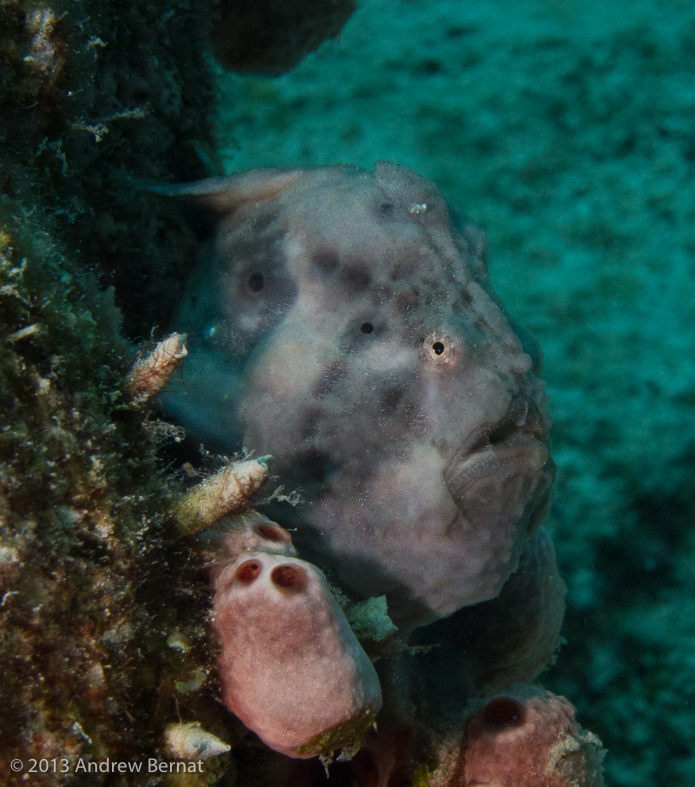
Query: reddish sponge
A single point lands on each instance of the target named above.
(249, 532)
(527, 737)
(291, 669)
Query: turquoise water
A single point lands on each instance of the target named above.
(567, 131)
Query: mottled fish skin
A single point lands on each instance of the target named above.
(342, 320)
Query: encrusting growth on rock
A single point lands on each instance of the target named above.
(230, 489)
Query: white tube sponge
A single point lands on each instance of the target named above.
(290, 667)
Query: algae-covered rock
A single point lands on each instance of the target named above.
(79, 488)
(92, 96)
(96, 98)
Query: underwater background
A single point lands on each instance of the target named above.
(565, 129)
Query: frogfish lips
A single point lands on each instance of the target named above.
(501, 477)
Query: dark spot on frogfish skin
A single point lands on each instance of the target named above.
(260, 287)
(264, 221)
(355, 278)
(325, 262)
(391, 398)
(310, 422)
(406, 301)
(255, 282)
(386, 210)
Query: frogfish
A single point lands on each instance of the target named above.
(342, 320)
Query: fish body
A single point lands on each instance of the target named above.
(343, 321)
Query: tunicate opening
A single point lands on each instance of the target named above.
(273, 533)
(248, 571)
(504, 712)
(255, 282)
(289, 577)
(367, 327)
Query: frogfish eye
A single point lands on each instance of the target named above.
(442, 350)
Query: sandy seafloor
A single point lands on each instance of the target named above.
(566, 129)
